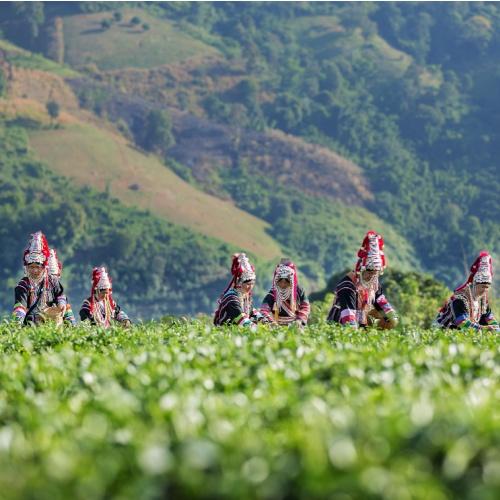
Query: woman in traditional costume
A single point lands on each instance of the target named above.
(286, 303)
(468, 307)
(55, 271)
(359, 300)
(100, 308)
(38, 296)
(235, 305)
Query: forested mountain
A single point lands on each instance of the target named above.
(406, 90)
(321, 119)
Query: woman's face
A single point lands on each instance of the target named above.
(246, 286)
(479, 289)
(369, 275)
(102, 293)
(284, 283)
(35, 270)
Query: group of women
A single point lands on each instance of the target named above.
(359, 300)
(39, 296)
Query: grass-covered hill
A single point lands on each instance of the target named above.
(189, 411)
(102, 158)
(296, 187)
(128, 43)
(105, 161)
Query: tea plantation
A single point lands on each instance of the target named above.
(183, 410)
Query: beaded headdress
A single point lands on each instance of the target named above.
(481, 270)
(37, 251)
(101, 281)
(371, 254)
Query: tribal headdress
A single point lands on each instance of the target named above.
(54, 265)
(371, 254)
(286, 269)
(37, 251)
(481, 271)
(241, 271)
(100, 281)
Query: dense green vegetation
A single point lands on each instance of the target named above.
(185, 411)
(158, 267)
(404, 89)
(324, 235)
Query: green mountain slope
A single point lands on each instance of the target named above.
(404, 91)
(103, 160)
(106, 162)
(158, 267)
(345, 77)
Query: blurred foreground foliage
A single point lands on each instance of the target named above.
(183, 410)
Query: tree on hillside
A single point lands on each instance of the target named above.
(156, 133)
(53, 109)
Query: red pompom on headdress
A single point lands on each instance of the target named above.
(37, 250)
(481, 270)
(371, 254)
(100, 280)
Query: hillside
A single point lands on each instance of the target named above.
(401, 90)
(149, 258)
(284, 159)
(204, 146)
(318, 118)
(137, 37)
(103, 159)
(298, 188)
(209, 152)
(106, 162)
(13, 56)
